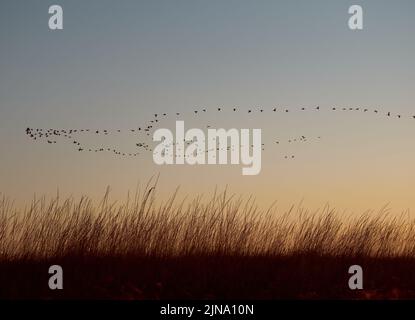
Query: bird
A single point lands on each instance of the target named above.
(275, 109)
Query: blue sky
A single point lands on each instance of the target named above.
(116, 63)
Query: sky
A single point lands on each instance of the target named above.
(115, 64)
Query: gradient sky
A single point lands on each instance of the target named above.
(117, 63)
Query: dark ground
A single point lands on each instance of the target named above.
(305, 276)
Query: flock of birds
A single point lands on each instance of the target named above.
(51, 136)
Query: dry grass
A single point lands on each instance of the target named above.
(219, 248)
(223, 225)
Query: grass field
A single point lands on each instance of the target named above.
(224, 247)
